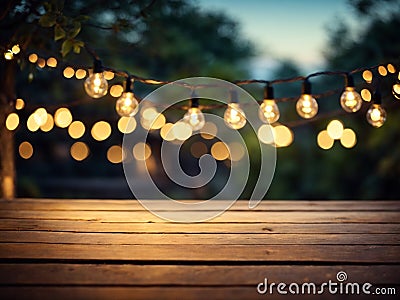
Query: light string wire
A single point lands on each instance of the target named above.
(152, 81)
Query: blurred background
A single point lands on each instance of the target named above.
(174, 39)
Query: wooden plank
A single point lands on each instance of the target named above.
(196, 239)
(134, 205)
(167, 293)
(139, 275)
(210, 253)
(228, 216)
(244, 228)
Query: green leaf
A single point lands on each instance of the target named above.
(59, 33)
(48, 20)
(77, 49)
(74, 31)
(78, 45)
(66, 47)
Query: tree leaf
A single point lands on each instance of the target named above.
(77, 49)
(74, 31)
(66, 47)
(48, 20)
(59, 33)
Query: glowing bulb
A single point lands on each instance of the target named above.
(396, 90)
(350, 100)
(15, 49)
(376, 115)
(8, 55)
(195, 118)
(234, 116)
(127, 105)
(96, 85)
(307, 106)
(269, 111)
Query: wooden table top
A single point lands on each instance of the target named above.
(115, 249)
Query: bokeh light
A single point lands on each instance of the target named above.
(19, 104)
(101, 131)
(209, 131)
(324, 141)
(12, 121)
(126, 124)
(68, 72)
(52, 62)
(33, 58)
(198, 149)
(367, 76)
(115, 154)
(283, 136)
(266, 134)
(76, 129)
(219, 151)
(166, 132)
(141, 151)
(181, 131)
(25, 150)
(46, 127)
(366, 95)
(335, 129)
(116, 90)
(80, 74)
(79, 151)
(348, 139)
(63, 117)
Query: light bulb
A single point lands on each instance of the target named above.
(234, 116)
(127, 105)
(269, 111)
(396, 90)
(96, 85)
(350, 100)
(307, 106)
(195, 118)
(376, 115)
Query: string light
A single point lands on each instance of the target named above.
(396, 89)
(127, 105)
(367, 76)
(33, 58)
(194, 116)
(52, 62)
(350, 99)
(15, 49)
(306, 106)
(234, 116)
(68, 72)
(269, 111)
(376, 115)
(8, 55)
(96, 85)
